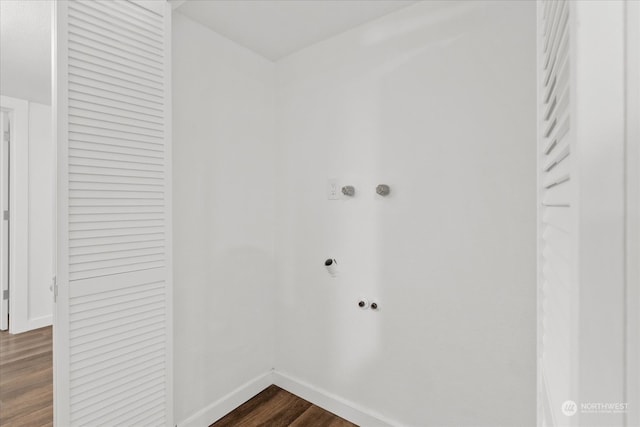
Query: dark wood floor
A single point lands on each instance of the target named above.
(26, 379)
(26, 392)
(275, 407)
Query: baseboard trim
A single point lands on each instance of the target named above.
(319, 397)
(332, 403)
(228, 403)
(40, 322)
(31, 324)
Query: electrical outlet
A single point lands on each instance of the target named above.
(333, 189)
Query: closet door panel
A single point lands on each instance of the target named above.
(556, 208)
(113, 305)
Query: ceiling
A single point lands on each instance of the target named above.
(277, 28)
(271, 28)
(25, 49)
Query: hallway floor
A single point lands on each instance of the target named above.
(26, 392)
(275, 407)
(26, 379)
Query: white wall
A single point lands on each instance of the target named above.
(224, 198)
(41, 211)
(25, 49)
(437, 101)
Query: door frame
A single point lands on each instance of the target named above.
(18, 110)
(4, 224)
(633, 210)
(60, 338)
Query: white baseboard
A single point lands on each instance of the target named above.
(40, 322)
(322, 398)
(31, 324)
(332, 403)
(228, 403)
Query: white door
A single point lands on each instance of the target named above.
(112, 325)
(5, 134)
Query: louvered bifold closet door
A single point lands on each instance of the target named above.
(113, 310)
(556, 202)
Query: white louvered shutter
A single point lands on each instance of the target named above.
(113, 310)
(556, 204)
(581, 194)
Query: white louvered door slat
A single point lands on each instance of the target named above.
(556, 195)
(113, 310)
(583, 145)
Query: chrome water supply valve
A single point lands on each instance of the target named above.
(348, 190)
(383, 189)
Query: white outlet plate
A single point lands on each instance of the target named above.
(333, 189)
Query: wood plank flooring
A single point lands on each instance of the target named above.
(26, 379)
(275, 407)
(26, 392)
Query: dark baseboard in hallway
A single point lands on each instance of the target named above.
(275, 407)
